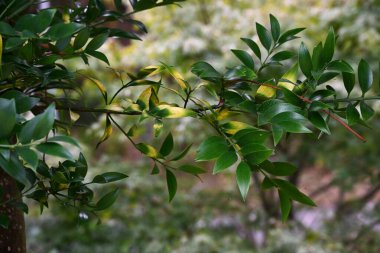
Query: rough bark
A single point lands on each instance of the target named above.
(12, 239)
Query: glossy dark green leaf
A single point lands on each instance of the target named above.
(256, 153)
(366, 111)
(293, 192)
(285, 204)
(211, 148)
(244, 57)
(349, 81)
(282, 56)
(39, 126)
(291, 122)
(225, 161)
(14, 168)
(318, 105)
(293, 98)
(271, 108)
(6, 29)
(99, 55)
(266, 184)
(65, 139)
(365, 76)
(316, 57)
(167, 145)
(327, 76)
(278, 168)
(274, 27)
(182, 154)
(243, 178)
(107, 200)
(328, 47)
(305, 62)
(192, 169)
(340, 66)
(7, 117)
(277, 133)
(248, 136)
(29, 156)
(353, 115)
(108, 177)
(318, 121)
(54, 149)
(23, 102)
(81, 39)
(264, 36)
(97, 42)
(155, 170)
(240, 72)
(253, 46)
(36, 23)
(62, 30)
(205, 71)
(171, 182)
(289, 35)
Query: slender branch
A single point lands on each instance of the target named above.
(350, 99)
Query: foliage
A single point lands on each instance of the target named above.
(247, 105)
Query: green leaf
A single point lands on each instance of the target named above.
(293, 192)
(289, 35)
(256, 153)
(4, 221)
(281, 56)
(244, 57)
(248, 136)
(278, 168)
(340, 66)
(353, 115)
(305, 62)
(316, 57)
(292, 98)
(99, 55)
(266, 184)
(167, 145)
(205, 71)
(107, 132)
(155, 170)
(81, 39)
(97, 42)
(14, 168)
(349, 81)
(171, 182)
(182, 154)
(291, 122)
(147, 150)
(285, 204)
(211, 148)
(271, 108)
(225, 161)
(29, 156)
(327, 76)
(23, 102)
(274, 27)
(243, 178)
(108, 177)
(365, 76)
(7, 117)
(54, 149)
(277, 132)
(171, 112)
(191, 169)
(62, 30)
(232, 127)
(329, 47)
(36, 23)
(318, 121)
(39, 126)
(65, 139)
(107, 200)
(253, 46)
(6, 29)
(264, 36)
(318, 105)
(366, 111)
(240, 72)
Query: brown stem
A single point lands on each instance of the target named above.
(12, 239)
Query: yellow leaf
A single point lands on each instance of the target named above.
(177, 76)
(107, 132)
(172, 112)
(265, 92)
(291, 75)
(147, 150)
(233, 127)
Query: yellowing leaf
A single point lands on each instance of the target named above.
(265, 92)
(147, 150)
(233, 127)
(177, 76)
(107, 132)
(172, 112)
(291, 75)
(100, 86)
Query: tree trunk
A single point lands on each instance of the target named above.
(12, 239)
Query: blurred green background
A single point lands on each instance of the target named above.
(339, 172)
